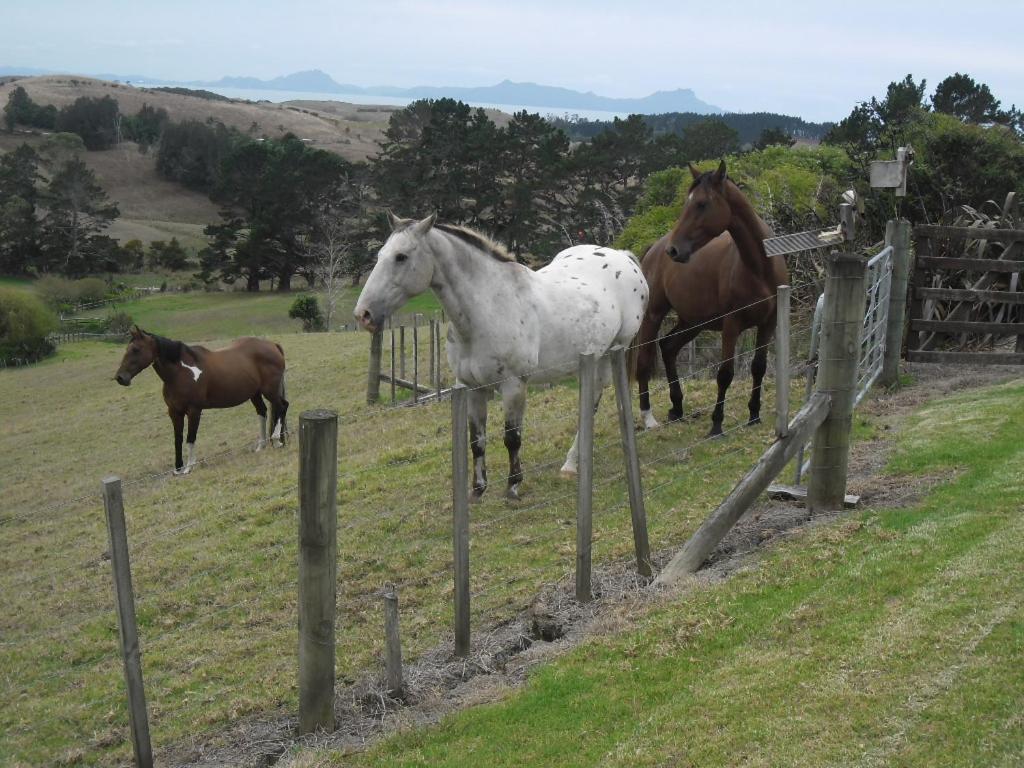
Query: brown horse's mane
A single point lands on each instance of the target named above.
(169, 350)
(706, 176)
(477, 240)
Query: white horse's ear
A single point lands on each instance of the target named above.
(422, 227)
(395, 222)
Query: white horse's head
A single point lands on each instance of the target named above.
(404, 269)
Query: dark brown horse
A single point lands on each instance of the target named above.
(196, 378)
(712, 270)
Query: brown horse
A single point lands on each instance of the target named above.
(196, 378)
(712, 270)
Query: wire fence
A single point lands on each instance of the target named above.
(392, 535)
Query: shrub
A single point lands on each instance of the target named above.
(118, 322)
(307, 309)
(25, 323)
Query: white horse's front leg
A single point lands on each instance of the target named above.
(478, 438)
(513, 395)
(570, 468)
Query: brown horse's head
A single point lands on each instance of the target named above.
(141, 352)
(705, 215)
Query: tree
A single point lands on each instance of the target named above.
(21, 110)
(145, 126)
(168, 255)
(19, 171)
(772, 137)
(77, 209)
(276, 188)
(710, 139)
(192, 152)
(307, 309)
(972, 102)
(97, 121)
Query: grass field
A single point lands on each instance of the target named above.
(201, 316)
(214, 554)
(214, 563)
(892, 638)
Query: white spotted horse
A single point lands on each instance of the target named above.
(508, 323)
(196, 378)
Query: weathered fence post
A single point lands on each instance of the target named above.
(318, 566)
(138, 719)
(393, 371)
(460, 515)
(392, 642)
(401, 351)
(433, 353)
(839, 352)
(782, 360)
(415, 359)
(373, 377)
(897, 234)
(624, 405)
(736, 504)
(585, 479)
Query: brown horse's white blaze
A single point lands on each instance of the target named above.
(713, 271)
(196, 378)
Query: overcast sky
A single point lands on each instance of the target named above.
(813, 59)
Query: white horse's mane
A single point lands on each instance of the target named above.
(478, 240)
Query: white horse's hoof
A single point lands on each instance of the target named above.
(649, 421)
(183, 471)
(260, 445)
(568, 473)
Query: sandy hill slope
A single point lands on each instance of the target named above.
(350, 130)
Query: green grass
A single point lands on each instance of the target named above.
(201, 316)
(214, 554)
(893, 637)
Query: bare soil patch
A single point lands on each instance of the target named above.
(438, 684)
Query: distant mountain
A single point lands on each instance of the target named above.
(505, 92)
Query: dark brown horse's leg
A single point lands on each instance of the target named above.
(478, 438)
(670, 345)
(194, 415)
(178, 421)
(730, 330)
(757, 368)
(645, 356)
(261, 411)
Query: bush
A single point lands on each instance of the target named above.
(25, 323)
(307, 309)
(64, 295)
(118, 322)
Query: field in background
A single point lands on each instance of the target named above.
(202, 316)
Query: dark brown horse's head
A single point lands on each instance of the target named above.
(141, 352)
(706, 214)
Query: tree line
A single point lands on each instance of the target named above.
(526, 182)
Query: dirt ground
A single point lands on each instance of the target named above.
(438, 684)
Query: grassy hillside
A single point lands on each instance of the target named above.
(214, 553)
(892, 638)
(203, 316)
(351, 134)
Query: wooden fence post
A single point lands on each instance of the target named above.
(719, 523)
(415, 359)
(392, 641)
(782, 360)
(318, 567)
(393, 371)
(138, 719)
(373, 376)
(839, 353)
(460, 515)
(897, 234)
(627, 428)
(585, 479)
